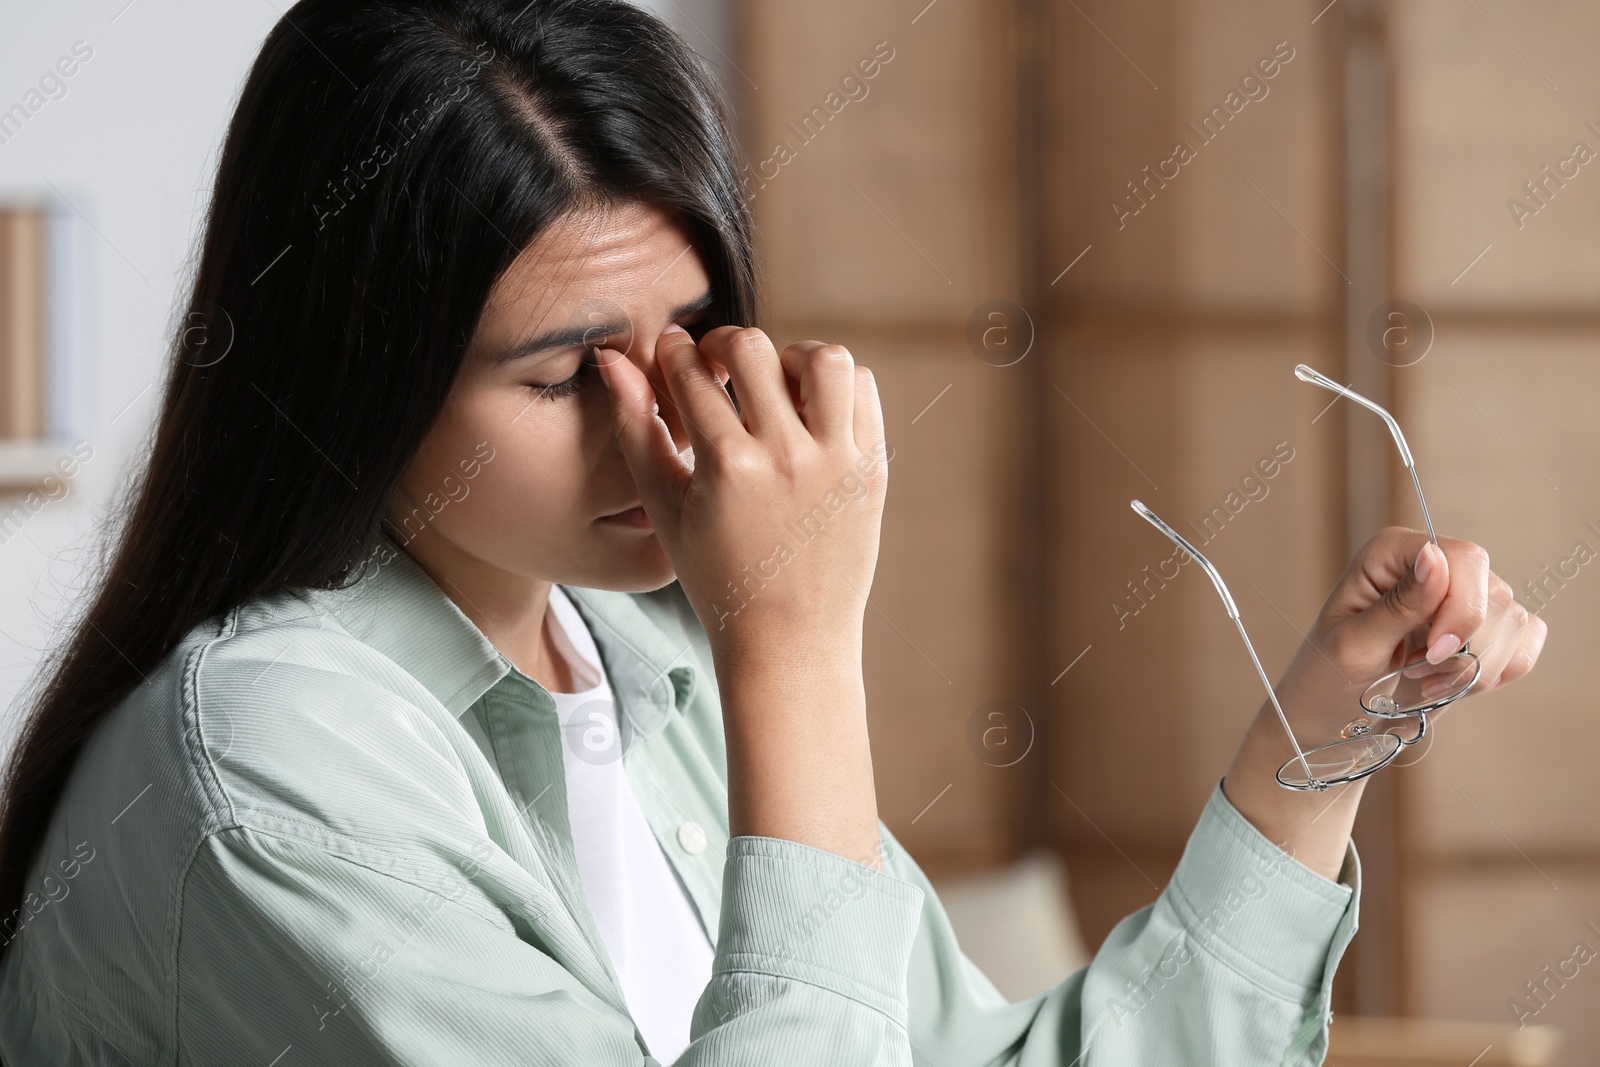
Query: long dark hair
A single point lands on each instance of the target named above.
(386, 162)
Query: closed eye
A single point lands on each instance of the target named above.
(562, 389)
(587, 366)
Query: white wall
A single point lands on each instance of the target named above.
(133, 144)
(707, 26)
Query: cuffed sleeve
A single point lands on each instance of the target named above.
(1232, 965)
(1229, 869)
(1234, 962)
(805, 914)
(811, 960)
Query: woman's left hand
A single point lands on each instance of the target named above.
(1399, 597)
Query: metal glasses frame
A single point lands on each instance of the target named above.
(1374, 700)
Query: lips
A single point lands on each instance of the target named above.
(635, 518)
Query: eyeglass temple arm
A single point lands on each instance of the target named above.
(1315, 377)
(1178, 539)
(1233, 613)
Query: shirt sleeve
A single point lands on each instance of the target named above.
(1232, 965)
(291, 950)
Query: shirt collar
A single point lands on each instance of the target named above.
(399, 610)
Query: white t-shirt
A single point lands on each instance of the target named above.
(651, 931)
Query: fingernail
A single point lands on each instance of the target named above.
(1424, 565)
(674, 328)
(1446, 646)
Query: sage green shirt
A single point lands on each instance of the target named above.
(331, 828)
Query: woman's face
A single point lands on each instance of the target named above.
(516, 476)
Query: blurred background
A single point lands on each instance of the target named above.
(1082, 245)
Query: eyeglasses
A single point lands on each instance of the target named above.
(1411, 691)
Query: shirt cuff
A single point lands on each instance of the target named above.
(1259, 910)
(813, 916)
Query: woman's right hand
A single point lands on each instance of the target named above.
(774, 534)
(774, 529)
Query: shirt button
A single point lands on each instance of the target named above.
(692, 838)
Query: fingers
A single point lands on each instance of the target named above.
(666, 407)
(812, 386)
(1500, 635)
(1510, 641)
(827, 376)
(758, 379)
(646, 443)
(868, 426)
(1464, 612)
(1403, 590)
(1527, 653)
(695, 392)
(1407, 579)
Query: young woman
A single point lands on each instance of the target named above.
(387, 738)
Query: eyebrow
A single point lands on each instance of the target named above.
(569, 336)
